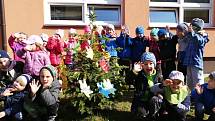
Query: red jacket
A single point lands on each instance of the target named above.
(55, 46)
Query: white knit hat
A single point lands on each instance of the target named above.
(60, 32)
(34, 39)
(72, 31)
(44, 37)
(176, 75)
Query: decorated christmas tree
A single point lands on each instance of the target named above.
(94, 82)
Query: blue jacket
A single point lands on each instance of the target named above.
(14, 103)
(138, 48)
(195, 50)
(207, 98)
(124, 42)
(111, 46)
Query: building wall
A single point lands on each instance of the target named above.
(27, 16)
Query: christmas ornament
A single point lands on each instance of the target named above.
(104, 65)
(85, 88)
(106, 88)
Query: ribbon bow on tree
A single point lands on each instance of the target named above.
(85, 88)
(106, 88)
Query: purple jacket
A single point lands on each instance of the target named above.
(15, 46)
(34, 61)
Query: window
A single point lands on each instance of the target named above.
(75, 12)
(163, 0)
(60, 12)
(168, 16)
(197, 1)
(178, 11)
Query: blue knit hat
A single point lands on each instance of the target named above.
(148, 56)
(139, 30)
(162, 32)
(3, 54)
(197, 24)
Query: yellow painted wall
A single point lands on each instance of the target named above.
(27, 16)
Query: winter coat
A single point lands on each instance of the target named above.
(15, 46)
(71, 48)
(124, 42)
(138, 48)
(55, 46)
(34, 61)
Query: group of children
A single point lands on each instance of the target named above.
(29, 81)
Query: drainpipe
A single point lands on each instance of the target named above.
(3, 25)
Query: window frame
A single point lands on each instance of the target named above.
(181, 5)
(162, 24)
(85, 12)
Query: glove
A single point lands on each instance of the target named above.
(182, 107)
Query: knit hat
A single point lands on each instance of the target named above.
(72, 31)
(154, 32)
(176, 75)
(148, 56)
(162, 32)
(60, 32)
(197, 24)
(212, 75)
(139, 30)
(183, 27)
(44, 37)
(24, 79)
(3, 54)
(34, 39)
(51, 69)
(87, 29)
(111, 26)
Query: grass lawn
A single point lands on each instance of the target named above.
(120, 112)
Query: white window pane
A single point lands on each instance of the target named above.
(66, 12)
(164, 0)
(197, 1)
(163, 16)
(106, 14)
(189, 14)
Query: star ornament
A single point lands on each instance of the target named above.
(106, 88)
(85, 88)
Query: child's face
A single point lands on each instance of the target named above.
(211, 83)
(22, 38)
(46, 78)
(18, 85)
(148, 67)
(175, 85)
(179, 33)
(4, 63)
(139, 35)
(155, 38)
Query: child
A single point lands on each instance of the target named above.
(45, 39)
(153, 45)
(181, 32)
(86, 43)
(145, 76)
(197, 38)
(167, 48)
(9, 69)
(17, 41)
(173, 100)
(44, 95)
(13, 97)
(72, 47)
(139, 45)
(34, 55)
(204, 98)
(55, 46)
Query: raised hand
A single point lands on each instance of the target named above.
(199, 89)
(34, 87)
(7, 92)
(167, 82)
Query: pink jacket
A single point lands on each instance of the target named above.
(71, 48)
(15, 46)
(34, 61)
(55, 46)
